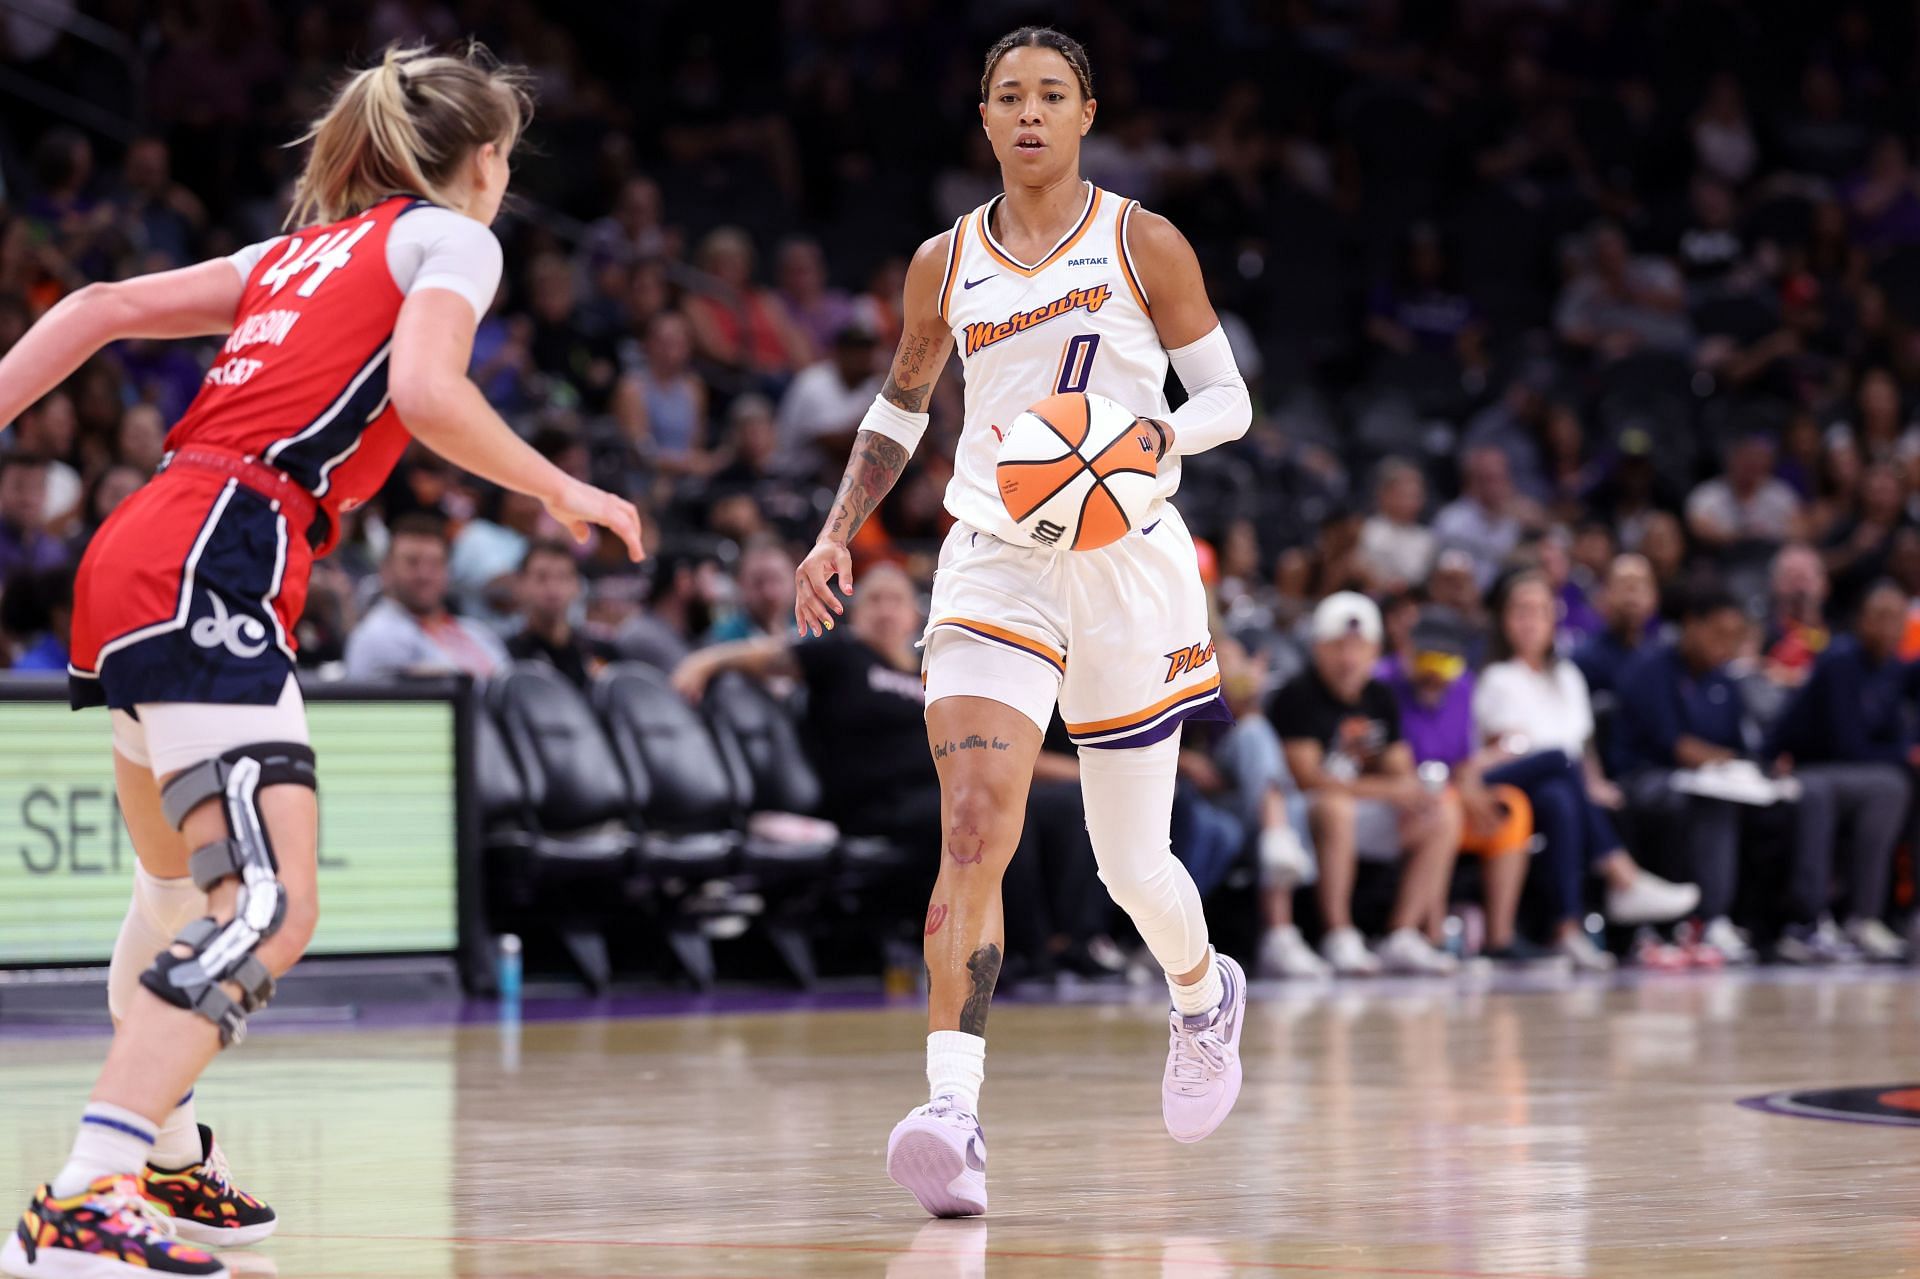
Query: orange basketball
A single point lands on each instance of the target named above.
(1077, 471)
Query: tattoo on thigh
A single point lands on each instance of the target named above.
(936, 916)
(983, 966)
(972, 742)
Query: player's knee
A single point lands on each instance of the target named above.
(982, 825)
(1138, 882)
(290, 941)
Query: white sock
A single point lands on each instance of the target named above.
(111, 1140)
(177, 1145)
(159, 910)
(956, 1067)
(1204, 995)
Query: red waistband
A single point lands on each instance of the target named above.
(301, 508)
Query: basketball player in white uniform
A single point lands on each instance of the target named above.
(1054, 286)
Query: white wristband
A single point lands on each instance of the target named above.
(894, 422)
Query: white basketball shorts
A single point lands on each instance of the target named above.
(1119, 635)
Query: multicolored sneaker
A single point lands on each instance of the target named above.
(940, 1153)
(1203, 1060)
(107, 1231)
(205, 1205)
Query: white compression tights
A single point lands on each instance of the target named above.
(1129, 799)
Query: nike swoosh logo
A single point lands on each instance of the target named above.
(982, 280)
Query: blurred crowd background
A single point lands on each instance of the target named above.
(1620, 296)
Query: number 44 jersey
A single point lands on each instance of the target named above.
(193, 588)
(1077, 320)
(301, 382)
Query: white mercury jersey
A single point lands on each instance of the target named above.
(1075, 321)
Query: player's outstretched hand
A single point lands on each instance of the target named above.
(580, 506)
(814, 603)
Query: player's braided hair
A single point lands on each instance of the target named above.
(1040, 38)
(407, 124)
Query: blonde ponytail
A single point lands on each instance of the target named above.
(406, 124)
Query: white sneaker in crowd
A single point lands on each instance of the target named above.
(1586, 957)
(1876, 941)
(1346, 950)
(1406, 950)
(1650, 899)
(1720, 935)
(1285, 953)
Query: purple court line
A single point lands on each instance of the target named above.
(1287, 1267)
(1773, 1104)
(424, 1014)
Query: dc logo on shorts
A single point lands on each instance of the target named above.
(241, 635)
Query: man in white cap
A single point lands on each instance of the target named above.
(1341, 729)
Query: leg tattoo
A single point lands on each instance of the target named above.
(984, 967)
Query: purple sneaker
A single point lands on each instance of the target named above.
(1203, 1061)
(939, 1153)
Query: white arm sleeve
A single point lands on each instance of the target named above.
(1218, 409)
(435, 248)
(894, 422)
(244, 260)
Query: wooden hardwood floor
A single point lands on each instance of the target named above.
(1385, 1131)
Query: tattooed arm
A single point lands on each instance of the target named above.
(881, 449)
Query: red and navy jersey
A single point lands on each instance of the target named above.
(301, 382)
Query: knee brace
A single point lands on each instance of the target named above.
(224, 952)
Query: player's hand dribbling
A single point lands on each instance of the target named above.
(579, 506)
(814, 603)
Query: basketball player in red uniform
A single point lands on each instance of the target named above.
(345, 336)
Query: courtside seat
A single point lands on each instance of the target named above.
(685, 802)
(571, 856)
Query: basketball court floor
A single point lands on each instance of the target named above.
(1386, 1130)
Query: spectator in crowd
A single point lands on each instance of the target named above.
(1433, 691)
(1847, 739)
(36, 611)
(1749, 503)
(549, 589)
(633, 231)
(739, 326)
(166, 218)
(1629, 614)
(1531, 706)
(1485, 521)
(818, 310)
(1255, 785)
(754, 485)
(1681, 711)
(25, 542)
(48, 430)
(1796, 632)
(1341, 731)
(1056, 911)
(678, 611)
(566, 343)
(109, 488)
(675, 398)
(410, 631)
(764, 603)
(141, 440)
(865, 724)
(1617, 304)
(1856, 550)
(1396, 549)
(1422, 310)
(821, 411)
